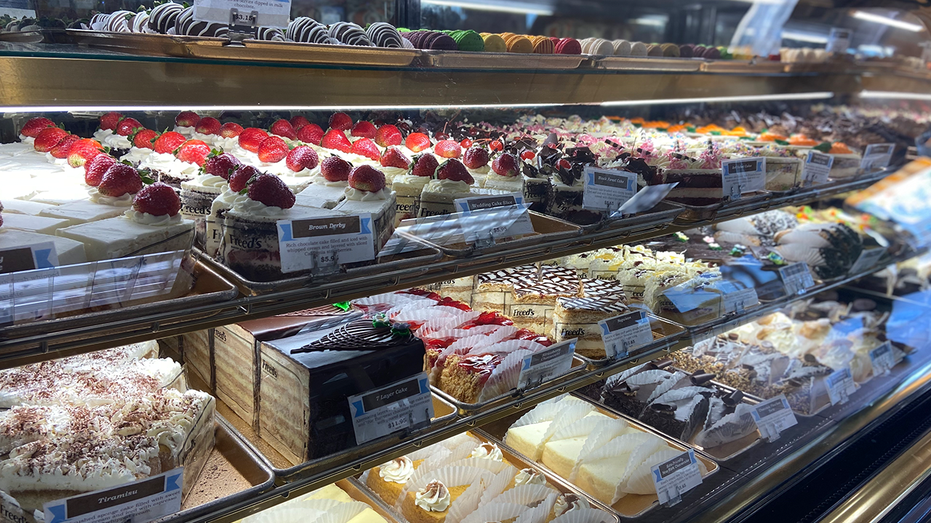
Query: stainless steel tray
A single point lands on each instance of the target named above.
(717, 211)
(359, 492)
(743, 66)
(664, 332)
(651, 63)
(631, 506)
(135, 43)
(487, 60)
(661, 215)
(297, 52)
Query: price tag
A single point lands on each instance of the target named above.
(607, 189)
(405, 404)
(252, 13)
(882, 358)
(838, 40)
(816, 169)
(38, 256)
(144, 500)
(330, 241)
(743, 176)
(546, 364)
(486, 218)
(676, 477)
(877, 156)
(867, 260)
(737, 300)
(625, 333)
(796, 278)
(773, 416)
(840, 386)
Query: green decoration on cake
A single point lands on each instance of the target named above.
(343, 305)
(680, 237)
(401, 329)
(380, 321)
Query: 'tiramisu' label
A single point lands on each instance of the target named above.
(144, 500)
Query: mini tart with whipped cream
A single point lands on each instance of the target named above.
(431, 503)
(388, 479)
(367, 193)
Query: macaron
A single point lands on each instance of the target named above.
(517, 43)
(670, 50)
(542, 45)
(598, 46)
(687, 50)
(494, 43)
(568, 46)
(468, 40)
(621, 48)
(654, 50)
(436, 40)
(638, 49)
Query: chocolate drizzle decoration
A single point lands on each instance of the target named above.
(360, 335)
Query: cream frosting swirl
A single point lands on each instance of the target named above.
(366, 196)
(568, 502)
(320, 180)
(529, 477)
(185, 130)
(256, 208)
(27, 139)
(450, 186)
(115, 201)
(433, 498)
(206, 180)
(488, 451)
(145, 218)
(397, 470)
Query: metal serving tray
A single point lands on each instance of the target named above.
(360, 492)
(134, 43)
(578, 368)
(664, 331)
(661, 215)
(487, 60)
(695, 213)
(630, 506)
(743, 66)
(649, 63)
(297, 52)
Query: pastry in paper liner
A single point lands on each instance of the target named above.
(557, 415)
(500, 512)
(605, 471)
(541, 512)
(495, 467)
(561, 452)
(640, 481)
(386, 301)
(499, 484)
(603, 433)
(527, 495)
(311, 510)
(584, 515)
(461, 440)
(505, 376)
(729, 428)
(477, 341)
(664, 381)
(442, 459)
(344, 512)
(454, 322)
(284, 515)
(468, 502)
(409, 310)
(417, 317)
(450, 477)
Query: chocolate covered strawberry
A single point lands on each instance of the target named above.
(109, 121)
(157, 199)
(273, 149)
(272, 191)
(241, 176)
(128, 126)
(367, 178)
(425, 165)
(48, 138)
(365, 147)
(388, 135)
(193, 151)
(187, 119)
(83, 150)
(505, 165)
(363, 129)
(96, 167)
(336, 140)
(221, 165)
(230, 130)
(335, 169)
(120, 179)
(475, 158)
(284, 129)
(454, 170)
(208, 125)
(417, 142)
(250, 139)
(393, 157)
(35, 126)
(310, 133)
(447, 149)
(340, 122)
(168, 142)
(302, 157)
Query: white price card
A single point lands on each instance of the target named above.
(743, 176)
(773, 416)
(254, 13)
(607, 189)
(840, 386)
(625, 333)
(816, 169)
(404, 404)
(333, 240)
(796, 278)
(838, 40)
(867, 260)
(877, 156)
(882, 359)
(734, 299)
(27, 258)
(140, 501)
(546, 364)
(487, 218)
(675, 477)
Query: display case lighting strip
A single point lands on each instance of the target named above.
(500, 7)
(885, 95)
(818, 95)
(256, 107)
(885, 20)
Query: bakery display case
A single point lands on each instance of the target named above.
(340, 270)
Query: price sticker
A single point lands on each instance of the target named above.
(877, 156)
(251, 13)
(817, 168)
(546, 364)
(838, 40)
(675, 477)
(607, 189)
(734, 299)
(27, 258)
(487, 218)
(625, 333)
(144, 500)
(773, 417)
(743, 176)
(882, 359)
(404, 404)
(331, 241)
(796, 278)
(840, 386)
(867, 260)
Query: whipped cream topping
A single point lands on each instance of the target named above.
(249, 206)
(529, 477)
(488, 451)
(136, 154)
(433, 498)
(568, 502)
(410, 179)
(366, 196)
(397, 471)
(113, 201)
(56, 161)
(481, 171)
(205, 180)
(145, 218)
(27, 139)
(495, 177)
(168, 163)
(446, 186)
(185, 130)
(318, 179)
(224, 143)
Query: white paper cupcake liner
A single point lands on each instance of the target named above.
(461, 439)
(605, 431)
(729, 428)
(431, 456)
(510, 346)
(318, 504)
(449, 476)
(496, 512)
(640, 480)
(495, 467)
(284, 515)
(584, 515)
(619, 378)
(446, 323)
(420, 316)
(541, 512)
(505, 376)
(569, 414)
(344, 512)
(386, 301)
(409, 308)
(467, 503)
(524, 494)
(582, 427)
(500, 482)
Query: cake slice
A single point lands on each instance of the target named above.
(367, 193)
(68, 251)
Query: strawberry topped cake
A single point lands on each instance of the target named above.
(367, 193)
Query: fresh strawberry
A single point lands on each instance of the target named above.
(230, 130)
(220, 165)
(475, 158)
(157, 199)
(34, 127)
(145, 139)
(310, 133)
(48, 138)
(62, 148)
(283, 128)
(453, 169)
(109, 121)
(367, 178)
(335, 139)
(96, 168)
(120, 179)
(302, 157)
(273, 149)
(128, 126)
(272, 191)
(168, 142)
(387, 135)
(564, 163)
(393, 157)
(335, 169)
(425, 165)
(447, 149)
(465, 143)
(417, 142)
(297, 122)
(340, 121)
(505, 165)
(363, 129)
(492, 318)
(193, 151)
(82, 151)
(208, 125)
(527, 155)
(365, 147)
(250, 139)
(187, 119)
(496, 145)
(241, 176)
